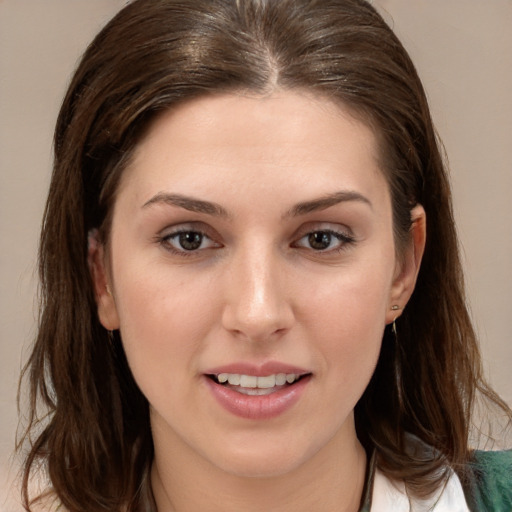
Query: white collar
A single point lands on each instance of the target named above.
(390, 496)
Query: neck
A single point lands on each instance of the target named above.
(332, 481)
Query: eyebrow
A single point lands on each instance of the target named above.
(326, 202)
(187, 203)
(200, 206)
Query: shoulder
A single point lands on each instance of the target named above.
(488, 486)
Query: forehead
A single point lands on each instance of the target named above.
(281, 138)
(286, 112)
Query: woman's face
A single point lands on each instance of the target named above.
(253, 270)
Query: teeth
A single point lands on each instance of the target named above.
(266, 382)
(234, 379)
(251, 381)
(248, 381)
(280, 379)
(290, 378)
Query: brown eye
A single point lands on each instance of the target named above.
(320, 240)
(186, 241)
(325, 240)
(190, 240)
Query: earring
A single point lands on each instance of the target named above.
(108, 290)
(110, 337)
(394, 307)
(397, 365)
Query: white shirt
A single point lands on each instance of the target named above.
(390, 496)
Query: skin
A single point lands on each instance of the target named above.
(255, 291)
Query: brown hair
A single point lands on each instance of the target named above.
(94, 438)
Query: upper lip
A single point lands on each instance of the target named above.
(257, 370)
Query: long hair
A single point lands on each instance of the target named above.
(93, 435)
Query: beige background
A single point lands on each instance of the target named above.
(463, 51)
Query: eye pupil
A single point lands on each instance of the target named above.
(190, 240)
(319, 240)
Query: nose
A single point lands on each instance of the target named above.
(258, 305)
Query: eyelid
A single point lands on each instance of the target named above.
(180, 227)
(333, 227)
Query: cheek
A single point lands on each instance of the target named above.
(349, 301)
(347, 323)
(163, 321)
(156, 298)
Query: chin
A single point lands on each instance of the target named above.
(260, 469)
(269, 460)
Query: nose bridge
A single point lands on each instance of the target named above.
(257, 305)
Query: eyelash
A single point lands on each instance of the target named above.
(345, 240)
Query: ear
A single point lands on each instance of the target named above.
(96, 257)
(408, 266)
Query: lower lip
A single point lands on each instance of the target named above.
(258, 407)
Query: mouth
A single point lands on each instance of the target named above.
(257, 391)
(253, 385)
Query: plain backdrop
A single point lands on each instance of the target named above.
(463, 52)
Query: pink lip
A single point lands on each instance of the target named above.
(268, 368)
(257, 407)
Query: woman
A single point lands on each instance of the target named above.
(252, 296)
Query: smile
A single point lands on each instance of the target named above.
(257, 397)
(256, 385)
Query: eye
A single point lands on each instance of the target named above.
(187, 241)
(325, 240)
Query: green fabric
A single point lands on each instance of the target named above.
(489, 488)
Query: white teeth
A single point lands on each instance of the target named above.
(267, 382)
(248, 381)
(234, 379)
(280, 379)
(251, 381)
